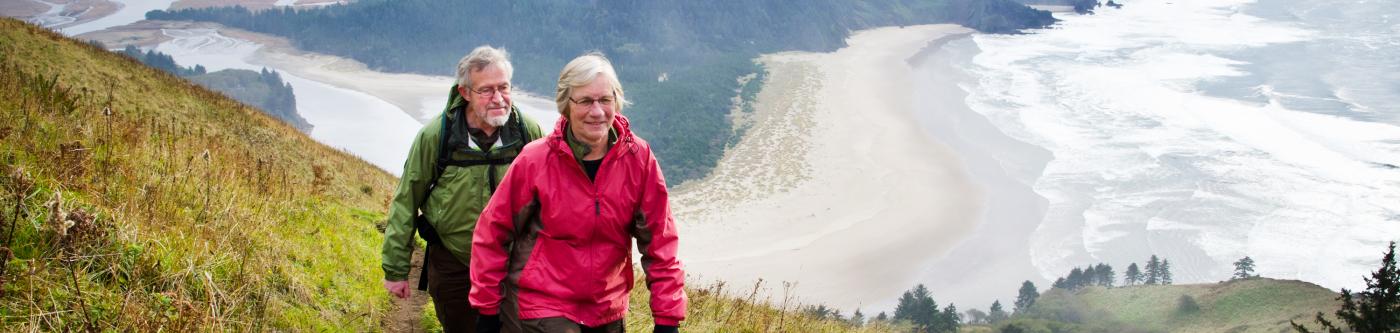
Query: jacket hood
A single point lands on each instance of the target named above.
(454, 99)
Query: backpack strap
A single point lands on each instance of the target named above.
(444, 159)
(420, 222)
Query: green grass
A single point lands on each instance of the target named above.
(180, 210)
(428, 322)
(1248, 305)
(719, 308)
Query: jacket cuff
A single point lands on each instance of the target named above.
(667, 321)
(489, 311)
(395, 276)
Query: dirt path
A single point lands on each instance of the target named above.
(408, 312)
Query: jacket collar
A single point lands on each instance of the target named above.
(581, 149)
(559, 141)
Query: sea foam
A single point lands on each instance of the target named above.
(1145, 162)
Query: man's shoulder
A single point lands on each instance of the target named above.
(532, 126)
(432, 129)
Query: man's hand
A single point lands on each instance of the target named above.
(397, 288)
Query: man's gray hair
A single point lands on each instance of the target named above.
(481, 57)
(582, 71)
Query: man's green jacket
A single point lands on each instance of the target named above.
(462, 191)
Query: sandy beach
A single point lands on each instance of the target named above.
(835, 186)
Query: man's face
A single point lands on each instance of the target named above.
(591, 110)
(489, 96)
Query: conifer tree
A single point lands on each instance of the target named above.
(1133, 276)
(1166, 274)
(947, 321)
(857, 318)
(996, 314)
(1026, 297)
(1376, 309)
(917, 307)
(1154, 271)
(1244, 268)
(905, 309)
(1075, 280)
(1105, 275)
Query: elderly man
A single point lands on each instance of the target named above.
(453, 167)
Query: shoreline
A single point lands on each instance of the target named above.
(847, 196)
(994, 259)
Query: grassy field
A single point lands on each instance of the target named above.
(133, 200)
(1248, 305)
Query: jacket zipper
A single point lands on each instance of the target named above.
(592, 183)
(592, 186)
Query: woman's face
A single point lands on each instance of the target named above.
(591, 111)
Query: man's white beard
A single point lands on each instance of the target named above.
(498, 121)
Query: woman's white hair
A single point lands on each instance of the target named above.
(481, 57)
(582, 71)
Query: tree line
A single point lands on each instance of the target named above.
(263, 89)
(700, 47)
(1374, 309)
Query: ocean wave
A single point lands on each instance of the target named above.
(1146, 162)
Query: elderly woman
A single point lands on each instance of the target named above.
(552, 252)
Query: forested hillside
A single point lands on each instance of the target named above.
(679, 59)
(264, 89)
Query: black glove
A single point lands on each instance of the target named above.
(488, 324)
(664, 329)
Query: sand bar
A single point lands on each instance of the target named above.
(835, 186)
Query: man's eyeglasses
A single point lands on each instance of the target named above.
(487, 92)
(588, 102)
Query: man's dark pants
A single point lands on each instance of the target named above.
(448, 284)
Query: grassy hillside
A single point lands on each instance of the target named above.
(183, 210)
(178, 209)
(1249, 305)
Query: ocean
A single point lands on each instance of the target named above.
(1204, 131)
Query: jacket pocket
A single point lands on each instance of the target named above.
(438, 206)
(549, 270)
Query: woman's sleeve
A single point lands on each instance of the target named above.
(657, 239)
